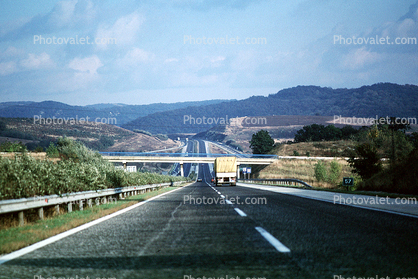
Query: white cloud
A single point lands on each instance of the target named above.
(139, 55)
(63, 13)
(7, 68)
(88, 64)
(72, 13)
(217, 61)
(170, 60)
(134, 58)
(41, 61)
(360, 58)
(124, 30)
(12, 53)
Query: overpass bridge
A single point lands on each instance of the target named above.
(182, 158)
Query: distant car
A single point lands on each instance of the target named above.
(199, 180)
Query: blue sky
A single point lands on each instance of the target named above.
(170, 51)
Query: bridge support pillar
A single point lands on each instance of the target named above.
(238, 171)
(181, 169)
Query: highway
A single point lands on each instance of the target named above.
(190, 149)
(200, 231)
(186, 166)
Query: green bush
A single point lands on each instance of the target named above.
(366, 161)
(142, 132)
(52, 151)
(320, 171)
(8, 146)
(79, 169)
(401, 178)
(162, 137)
(334, 172)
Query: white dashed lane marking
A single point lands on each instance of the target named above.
(273, 241)
(240, 212)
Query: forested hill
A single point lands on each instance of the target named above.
(382, 99)
(121, 113)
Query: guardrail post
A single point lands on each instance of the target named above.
(21, 218)
(90, 203)
(70, 207)
(80, 205)
(41, 213)
(57, 209)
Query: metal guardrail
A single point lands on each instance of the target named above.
(80, 198)
(288, 181)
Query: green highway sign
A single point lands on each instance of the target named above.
(348, 181)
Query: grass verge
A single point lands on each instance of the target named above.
(15, 238)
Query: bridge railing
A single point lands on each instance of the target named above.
(284, 182)
(255, 156)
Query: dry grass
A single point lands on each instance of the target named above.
(317, 149)
(35, 155)
(141, 143)
(303, 170)
(216, 150)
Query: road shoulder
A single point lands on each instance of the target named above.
(402, 206)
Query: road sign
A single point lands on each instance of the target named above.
(244, 170)
(248, 170)
(348, 181)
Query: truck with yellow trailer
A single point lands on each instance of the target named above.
(225, 171)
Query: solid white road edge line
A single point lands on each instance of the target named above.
(240, 212)
(273, 241)
(60, 236)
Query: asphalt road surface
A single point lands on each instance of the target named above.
(195, 233)
(190, 149)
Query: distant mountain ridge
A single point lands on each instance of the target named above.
(123, 113)
(381, 99)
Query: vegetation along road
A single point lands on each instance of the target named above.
(200, 231)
